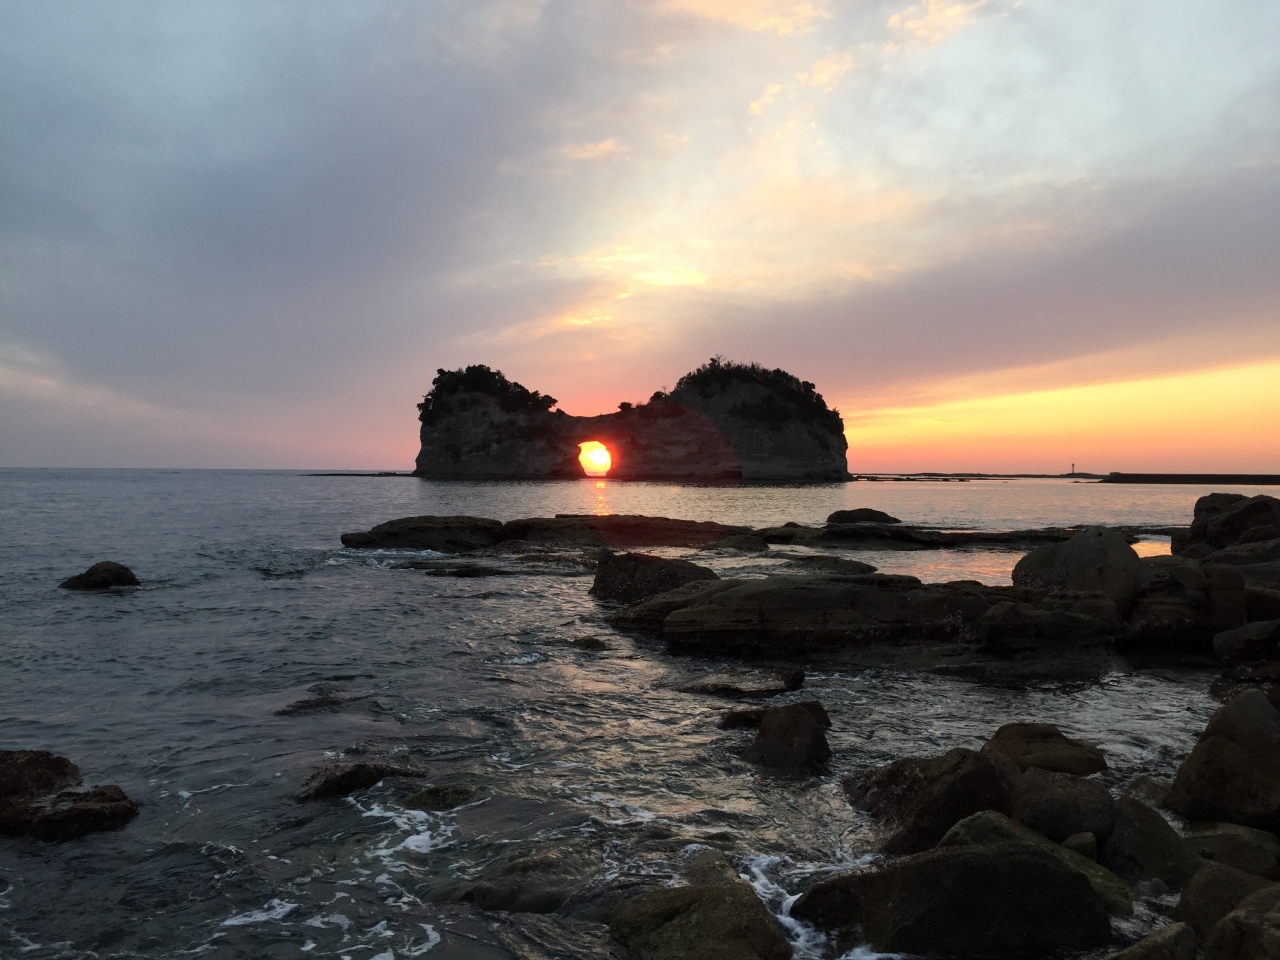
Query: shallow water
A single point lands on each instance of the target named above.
(250, 604)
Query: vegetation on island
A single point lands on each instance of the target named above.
(789, 395)
(511, 396)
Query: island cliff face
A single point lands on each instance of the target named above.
(722, 422)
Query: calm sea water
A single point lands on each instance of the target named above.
(592, 760)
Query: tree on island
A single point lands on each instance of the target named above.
(478, 378)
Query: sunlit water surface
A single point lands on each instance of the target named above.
(249, 602)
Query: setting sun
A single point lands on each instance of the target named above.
(595, 458)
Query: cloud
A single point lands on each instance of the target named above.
(593, 151)
(934, 20)
(779, 16)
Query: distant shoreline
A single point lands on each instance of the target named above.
(1203, 479)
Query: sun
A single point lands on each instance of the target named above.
(595, 459)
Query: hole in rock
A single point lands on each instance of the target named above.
(595, 459)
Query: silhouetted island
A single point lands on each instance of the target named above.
(722, 422)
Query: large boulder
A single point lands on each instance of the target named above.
(750, 717)
(444, 534)
(1214, 892)
(918, 800)
(38, 799)
(860, 515)
(1143, 846)
(988, 827)
(628, 577)
(715, 917)
(1249, 932)
(1185, 603)
(1176, 941)
(1224, 520)
(1058, 805)
(1233, 772)
(1044, 746)
(101, 576)
(1096, 560)
(1002, 900)
(1254, 641)
(789, 737)
(1261, 602)
(1247, 849)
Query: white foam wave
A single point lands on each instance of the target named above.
(271, 910)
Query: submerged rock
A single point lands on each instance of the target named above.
(1233, 772)
(1214, 892)
(1002, 900)
(1097, 560)
(744, 542)
(919, 800)
(343, 777)
(36, 799)
(789, 737)
(747, 683)
(860, 515)
(443, 797)
(1044, 746)
(617, 530)
(102, 576)
(628, 577)
(445, 534)
(527, 879)
(1177, 941)
(716, 917)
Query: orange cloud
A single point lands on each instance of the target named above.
(592, 151)
(780, 16)
(934, 20)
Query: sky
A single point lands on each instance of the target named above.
(999, 235)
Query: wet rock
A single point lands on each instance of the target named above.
(1177, 941)
(1057, 805)
(1147, 789)
(618, 531)
(843, 566)
(747, 683)
(344, 777)
(1214, 892)
(35, 801)
(1247, 849)
(101, 576)
(745, 542)
(1044, 746)
(528, 880)
(471, 571)
(1261, 603)
(1185, 603)
(1254, 641)
(1009, 627)
(650, 614)
(716, 917)
(918, 800)
(443, 797)
(629, 577)
(1097, 560)
(446, 534)
(312, 704)
(750, 717)
(1233, 772)
(1260, 675)
(1002, 900)
(1224, 520)
(589, 643)
(861, 515)
(988, 827)
(1143, 846)
(1085, 844)
(789, 737)
(1249, 932)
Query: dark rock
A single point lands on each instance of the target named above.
(1254, 641)
(101, 576)
(443, 797)
(471, 571)
(311, 705)
(618, 531)
(651, 614)
(628, 577)
(343, 777)
(789, 737)
(29, 805)
(1214, 892)
(1249, 932)
(1059, 804)
(745, 542)
(1233, 772)
(918, 800)
(1002, 900)
(747, 683)
(1085, 844)
(716, 917)
(1177, 941)
(1143, 846)
(589, 643)
(1261, 603)
(452, 534)
(749, 717)
(1097, 560)
(861, 515)
(1147, 789)
(1044, 746)
(1226, 519)
(1236, 678)
(1247, 849)
(988, 827)
(843, 566)
(1245, 554)
(1185, 603)
(528, 880)
(1009, 627)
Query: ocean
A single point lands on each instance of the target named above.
(587, 759)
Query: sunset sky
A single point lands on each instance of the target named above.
(997, 235)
